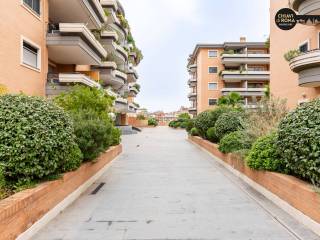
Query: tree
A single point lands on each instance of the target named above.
(232, 99)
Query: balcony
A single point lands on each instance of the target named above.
(233, 60)
(192, 68)
(109, 41)
(73, 43)
(192, 82)
(89, 12)
(307, 66)
(192, 96)
(133, 90)
(132, 75)
(63, 82)
(306, 7)
(245, 92)
(237, 76)
(192, 110)
(110, 76)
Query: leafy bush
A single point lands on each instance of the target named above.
(90, 108)
(265, 156)
(184, 116)
(3, 89)
(291, 54)
(93, 134)
(183, 124)
(153, 122)
(194, 132)
(228, 123)
(189, 125)
(235, 141)
(207, 119)
(299, 141)
(211, 135)
(2, 178)
(115, 136)
(36, 139)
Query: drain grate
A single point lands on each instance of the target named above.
(95, 191)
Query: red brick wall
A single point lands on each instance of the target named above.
(137, 123)
(297, 193)
(22, 210)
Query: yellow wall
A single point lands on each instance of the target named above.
(284, 82)
(16, 21)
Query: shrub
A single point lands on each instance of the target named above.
(211, 135)
(93, 134)
(207, 119)
(189, 125)
(3, 89)
(291, 54)
(194, 132)
(299, 141)
(176, 124)
(83, 98)
(115, 136)
(184, 116)
(90, 109)
(227, 123)
(264, 155)
(36, 139)
(266, 118)
(2, 178)
(153, 122)
(183, 124)
(235, 141)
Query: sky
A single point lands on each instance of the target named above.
(167, 31)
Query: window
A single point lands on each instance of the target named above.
(33, 5)
(30, 55)
(213, 53)
(213, 102)
(213, 70)
(213, 86)
(304, 47)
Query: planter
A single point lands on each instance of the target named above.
(295, 192)
(22, 210)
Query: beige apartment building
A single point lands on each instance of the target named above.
(297, 81)
(47, 46)
(219, 69)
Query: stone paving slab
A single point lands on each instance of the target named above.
(163, 187)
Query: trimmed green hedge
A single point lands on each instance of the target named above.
(90, 109)
(211, 135)
(235, 141)
(152, 122)
(299, 141)
(36, 139)
(265, 156)
(228, 123)
(194, 132)
(208, 119)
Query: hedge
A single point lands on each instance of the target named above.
(299, 141)
(235, 141)
(229, 122)
(36, 139)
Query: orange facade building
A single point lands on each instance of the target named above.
(298, 80)
(219, 69)
(47, 46)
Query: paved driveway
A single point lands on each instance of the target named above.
(163, 187)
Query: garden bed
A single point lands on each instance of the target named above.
(297, 193)
(20, 211)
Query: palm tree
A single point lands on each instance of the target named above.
(232, 99)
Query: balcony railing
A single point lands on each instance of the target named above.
(238, 59)
(245, 91)
(307, 65)
(73, 43)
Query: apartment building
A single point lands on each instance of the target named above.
(297, 81)
(47, 46)
(219, 69)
